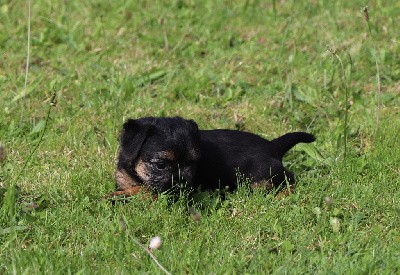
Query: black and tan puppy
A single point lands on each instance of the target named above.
(160, 154)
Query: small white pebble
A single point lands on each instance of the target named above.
(335, 223)
(155, 243)
(329, 201)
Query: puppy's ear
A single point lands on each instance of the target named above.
(134, 133)
(194, 124)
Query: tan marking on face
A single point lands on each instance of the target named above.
(141, 170)
(263, 184)
(123, 180)
(168, 155)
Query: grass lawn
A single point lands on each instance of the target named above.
(268, 67)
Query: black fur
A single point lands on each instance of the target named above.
(160, 153)
(225, 153)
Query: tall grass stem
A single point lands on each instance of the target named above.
(346, 98)
(27, 60)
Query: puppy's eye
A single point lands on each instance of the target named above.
(160, 165)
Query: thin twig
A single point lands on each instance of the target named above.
(166, 40)
(379, 93)
(151, 255)
(366, 16)
(166, 44)
(27, 59)
(343, 78)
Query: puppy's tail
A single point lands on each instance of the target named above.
(284, 143)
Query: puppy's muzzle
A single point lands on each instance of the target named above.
(181, 178)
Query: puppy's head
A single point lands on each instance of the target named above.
(159, 153)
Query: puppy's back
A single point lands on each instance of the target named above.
(234, 140)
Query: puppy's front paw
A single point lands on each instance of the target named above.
(286, 192)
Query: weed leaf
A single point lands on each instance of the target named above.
(38, 127)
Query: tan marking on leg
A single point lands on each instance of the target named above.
(263, 184)
(286, 192)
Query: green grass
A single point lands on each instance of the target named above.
(261, 66)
